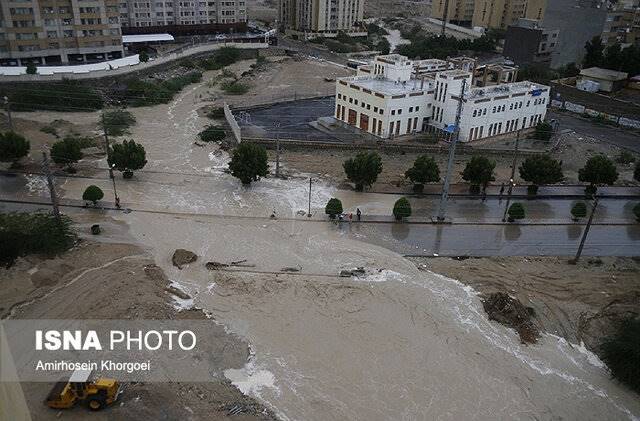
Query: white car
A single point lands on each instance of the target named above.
(221, 36)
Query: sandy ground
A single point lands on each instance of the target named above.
(581, 303)
(119, 281)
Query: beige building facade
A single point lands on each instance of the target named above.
(59, 31)
(488, 13)
(142, 13)
(312, 18)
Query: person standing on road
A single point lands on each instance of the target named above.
(501, 191)
(358, 214)
(350, 217)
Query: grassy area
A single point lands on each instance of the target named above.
(216, 113)
(140, 93)
(60, 96)
(212, 134)
(235, 87)
(22, 234)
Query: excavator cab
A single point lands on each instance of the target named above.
(80, 388)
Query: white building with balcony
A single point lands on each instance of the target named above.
(390, 98)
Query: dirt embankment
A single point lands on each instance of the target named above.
(120, 281)
(582, 303)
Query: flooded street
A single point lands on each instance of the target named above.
(398, 343)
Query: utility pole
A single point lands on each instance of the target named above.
(513, 175)
(445, 12)
(106, 144)
(309, 213)
(7, 107)
(278, 149)
(586, 231)
(442, 208)
(52, 188)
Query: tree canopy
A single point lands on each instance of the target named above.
(424, 170)
(333, 208)
(66, 152)
(93, 194)
(479, 171)
(541, 169)
(598, 170)
(249, 162)
(127, 157)
(363, 170)
(401, 209)
(614, 57)
(543, 131)
(13, 147)
(621, 353)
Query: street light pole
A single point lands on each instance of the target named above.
(106, 145)
(513, 175)
(586, 231)
(278, 149)
(51, 185)
(113, 180)
(7, 107)
(309, 213)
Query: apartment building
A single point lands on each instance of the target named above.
(527, 43)
(391, 100)
(313, 18)
(59, 31)
(149, 13)
(487, 13)
(622, 25)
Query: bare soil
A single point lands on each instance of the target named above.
(119, 281)
(581, 303)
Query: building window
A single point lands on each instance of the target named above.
(393, 112)
(417, 109)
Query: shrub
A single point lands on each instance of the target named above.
(143, 56)
(13, 147)
(62, 96)
(333, 208)
(479, 171)
(625, 158)
(621, 353)
(363, 170)
(424, 170)
(216, 113)
(92, 194)
(66, 152)
(249, 163)
(27, 233)
(227, 55)
(127, 157)
(212, 134)
(579, 210)
(49, 130)
(401, 209)
(234, 88)
(32, 69)
(516, 211)
(541, 169)
(636, 211)
(543, 131)
(140, 93)
(116, 122)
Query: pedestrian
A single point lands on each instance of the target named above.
(501, 191)
(484, 194)
(350, 217)
(358, 214)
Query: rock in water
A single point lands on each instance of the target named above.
(183, 257)
(512, 313)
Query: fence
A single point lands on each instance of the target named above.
(232, 122)
(193, 50)
(583, 110)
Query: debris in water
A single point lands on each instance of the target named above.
(511, 312)
(216, 265)
(183, 257)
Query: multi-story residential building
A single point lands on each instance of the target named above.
(390, 99)
(526, 43)
(622, 25)
(487, 13)
(313, 18)
(145, 13)
(59, 31)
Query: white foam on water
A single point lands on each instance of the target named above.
(36, 184)
(181, 303)
(381, 275)
(250, 380)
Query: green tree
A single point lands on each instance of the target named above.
(116, 122)
(383, 46)
(66, 152)
(333, 208)
(625, 158)
(401, 209)
(227, 55)
(479, 172)
(212, 134)
(613, 57)
(579, 210)
(543, 131)
(32, 69)
(594, 56)
(93, 194)
(621, 353)
(13, 147)
(249, 163)
(516, 211)
(424, 170)
(363, 170)
(541, 169)
(127, 157)
(143, 56)
(599, 170)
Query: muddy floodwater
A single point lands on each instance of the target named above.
(397, 343)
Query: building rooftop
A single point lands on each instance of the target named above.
(605, 74)
(504, 89)
(386, 86)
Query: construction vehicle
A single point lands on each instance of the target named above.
(96, 394)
